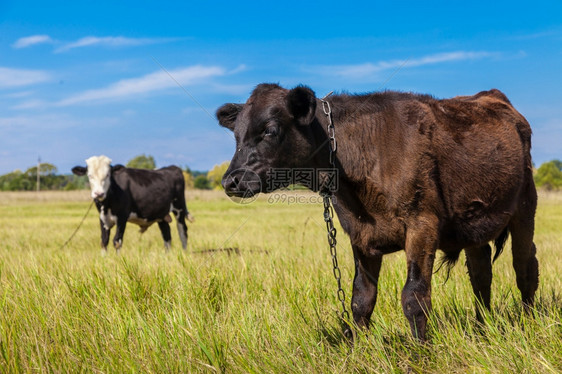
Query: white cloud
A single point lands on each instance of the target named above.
(450, 56)
(10, 77)
(30, 104)
(110, 41)
(152, 82)
(23, 123)
(239, 69)
(18, 95)
(88, 41)
(367, 69)
(553, 34)
(32, 40)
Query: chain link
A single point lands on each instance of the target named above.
(326, 107)
(329, 210)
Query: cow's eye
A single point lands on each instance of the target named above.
(270, 131)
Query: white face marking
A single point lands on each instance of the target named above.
(99, 173)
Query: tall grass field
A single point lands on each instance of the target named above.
(254, 293)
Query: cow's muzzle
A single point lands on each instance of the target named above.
(99, 196)
(241, 183)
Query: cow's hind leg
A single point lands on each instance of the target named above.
(166, 235)
(180, 211)
(479, 264)
(365, 283)
(522, 228)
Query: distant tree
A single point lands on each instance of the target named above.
(15, 181)
(71, 186)
(549, 175)
(142, 162)
(201, 182)
(47, 173)
(75, 182)
(188, 177)
(45, 169)
(197, 173)
(215, 175)
(27, 181)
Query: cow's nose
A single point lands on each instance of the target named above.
(241, 182)
(230, 183)
(99, 195)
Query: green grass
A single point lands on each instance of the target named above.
(270, 308)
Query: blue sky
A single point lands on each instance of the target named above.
(123, 78)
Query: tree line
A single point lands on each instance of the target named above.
(49, 179)
(19, 180)
(548, 176)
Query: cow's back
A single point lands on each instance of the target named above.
(151, 192)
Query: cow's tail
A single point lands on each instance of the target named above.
(190, 217)
(449, 259)
(499, 243)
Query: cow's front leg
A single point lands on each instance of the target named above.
(104, 238)
(421, 245)
(365, 283)
(119, 232)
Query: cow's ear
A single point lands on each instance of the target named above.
(79, 170)
(301, 102)
(117, 168)
(227, 114)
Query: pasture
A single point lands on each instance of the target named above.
(253, 293)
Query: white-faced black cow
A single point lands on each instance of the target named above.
(139, 196)
(415, 173)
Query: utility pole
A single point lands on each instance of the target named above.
(38, 168)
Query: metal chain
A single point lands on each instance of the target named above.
(329, 210)
(331, 129)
